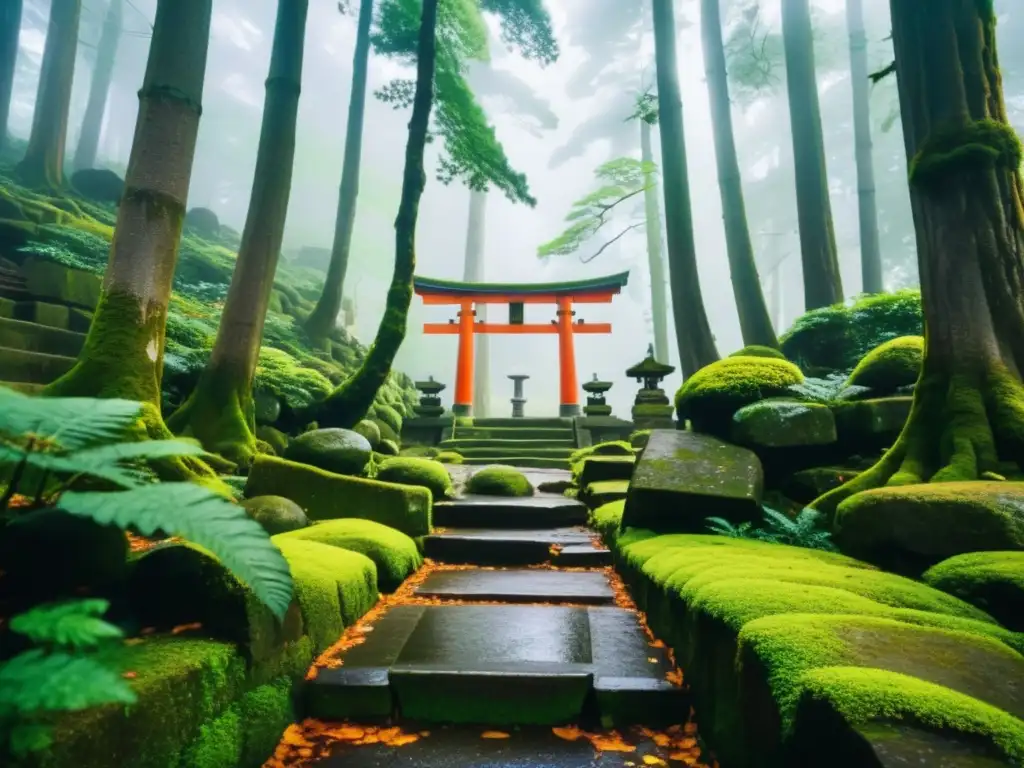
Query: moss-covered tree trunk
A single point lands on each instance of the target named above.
(10, 29)
(349, 403)
(322, 319)
(823, 284)
(967, 198)
(99, 88)
(755, 322)
(693, 332)
(43, 164)
(220, 410)
(870, 249)
(124, 350)
(655, 260)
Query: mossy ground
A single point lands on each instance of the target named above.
(499, 480)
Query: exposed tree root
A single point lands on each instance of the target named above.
(221, 417)
(960, 428)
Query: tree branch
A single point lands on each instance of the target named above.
(619, 236)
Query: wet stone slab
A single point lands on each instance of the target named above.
(490, 546)
(519, 586)
(542, 511)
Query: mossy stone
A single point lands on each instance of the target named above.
(370, 431)
(913, 527)
(449, 457)
(607, 519)
(870, 424)
(99, 184)
(426, 473)
(50, 280)
(277, 439)
(758, 350)
(203, 221)
(778, 423)
(499, 480)
(894, 364)
(267, 405)
(610, 448)
(394, 553)
(341, 451)
(993, 581)
(639, 438)
(276, 513)
(710, 397)
(388, 448)
(390, 416)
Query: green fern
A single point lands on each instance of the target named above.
(76, 624)
(805, 530)
(71, 422)
(722, 527)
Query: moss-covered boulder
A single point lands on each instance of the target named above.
(449, 457)
(390, 416)
(394, 553)
(267, 406)
(325, 495)
(388, 447)
(913, 527)
(684, 477)
(386, 432)
(993, 581)
(710, 397)
(99, 184)
(49, 554)
(499, 480)
(603, 492)
(275, 438)
(639, 438)
(337, 450)
(594, 469)
(426, 473)
(892, 365)
(370, 431)
(276, 513)
(872, 424)
(778, 423)
(607, 519)
(610, 448)
(758, 350)
(203, 221)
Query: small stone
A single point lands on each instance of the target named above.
(337, 450)
(268, 407)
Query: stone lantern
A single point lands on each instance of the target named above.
(430, 398)
(596, 405)
(651, 409)
(518, 398)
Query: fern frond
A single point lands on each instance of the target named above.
(75, 624)
(26, 738)
(36, 681)
(198, 515)
(778, 522)
(72, 422)
(67, 466)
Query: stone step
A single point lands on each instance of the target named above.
(34, 337)
(508, 433)
(14, 292)
(525, 445)
(503, 422)
(524, 585)
(502, 666)
(561, 452)
(536, 512)
(540, 462)
(582, 556)
(21, 366)
(498, 546)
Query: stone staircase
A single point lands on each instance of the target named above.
(531, 443)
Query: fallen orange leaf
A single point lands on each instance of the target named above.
(652, 659)
(494, 735)
(347, 733)
(569, 733)
(402, 739)
(657, 644)
(610, 743)
(683, 757)
(129, 675)
(186, 628)
(653, 760)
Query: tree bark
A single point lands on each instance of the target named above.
(473, 272)
(655, 261)
(967, 199)
(10, 30)
(43, 164)
(124, 350)
(822, 281)
(755, 322)
(349, 403)
(322, 319)
(870, 249)
(99, 89)
(220, 411)
(693, 333)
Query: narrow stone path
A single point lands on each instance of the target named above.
(499, 654)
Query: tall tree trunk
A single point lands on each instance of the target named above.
(655, 261)
(99, 89)
(823, 284)
(10, 30)
(43, 164)
(870, 250)
(967, 198)
(220, 411)
(755, 322)
(693, 333)
(473, 272)
(349, 403)
(322, 319)
(124, 350)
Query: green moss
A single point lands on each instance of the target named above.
(711, 396)
(265, 713)
(390, 416)
(972, 146)
(275, 438)
(894, 364)
(499, 480)
(369, 430)
(219, 744)
(607, 519)
(394, 553)
(639, 438)
(449, 457)
(426, 473)
(993, 581)
(595, 469)
(334, 587)
(756, 350)
(610, 448)
(325, 496)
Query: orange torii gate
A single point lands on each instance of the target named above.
(467, 295)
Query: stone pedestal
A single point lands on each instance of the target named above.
(518, 401)
(430, 398)
(652, 410)
(596, 404)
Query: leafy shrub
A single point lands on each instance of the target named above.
(805, 530)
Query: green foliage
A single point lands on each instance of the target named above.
(824, 389)
(526, 27)
(59, 676)
(805, 530)
(70, 246)
(280, 374)
(621, 180)
(975, 145)
(52, 444)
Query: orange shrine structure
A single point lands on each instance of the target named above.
(466, 296)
